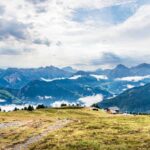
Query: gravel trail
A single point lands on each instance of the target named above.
(24, 146)
(11, 124)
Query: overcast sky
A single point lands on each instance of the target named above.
(85, 34)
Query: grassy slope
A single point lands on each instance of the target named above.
(4, 94)
(90, 130)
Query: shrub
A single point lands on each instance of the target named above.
(78, 105)
(30, 108)
(40, 106)
(63, 105)
(25, 108)
(16, 109)
(95, 105)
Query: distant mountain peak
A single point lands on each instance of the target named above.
(143, 65)
(84, 73)
(69, 69)
(51, 67)
(120, 66)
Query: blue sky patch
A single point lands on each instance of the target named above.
(109, 15)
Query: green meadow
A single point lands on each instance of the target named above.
(87, 130)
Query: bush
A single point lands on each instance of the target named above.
(78, 105)
(63, 105)
(40, 106)
(30, 108)
(16, 109)
(25, 108)
(95, 105)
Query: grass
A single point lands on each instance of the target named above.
(7, 95)
(90, 130)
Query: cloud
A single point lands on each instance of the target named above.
(58, 103)
(58, 43)
(133, 78)
(2, 100)
(12, 28)
(129, 86)
(107, 58)
(75, 77)
(37, 1)
(13, 51)
(48, 27)
(2, 9)
(137, 26)
(89, 100)
(42, 41)
(39, 5)
(99, 77)
(5, 51)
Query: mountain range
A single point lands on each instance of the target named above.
(122, 71)
(19, 77)
(50, 84)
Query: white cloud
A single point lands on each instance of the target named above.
(75, 77)
(55, 39)
(133, 78)
(2, 100)
(44, 97)
(50, 80)
(89, 100)
(142, 84)
(99, 77)
(58, 103)
(129, 86)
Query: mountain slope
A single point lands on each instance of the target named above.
(133, 100)
(141, 70)
(64, 89)
(7, 97)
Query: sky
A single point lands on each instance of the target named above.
(84, 34)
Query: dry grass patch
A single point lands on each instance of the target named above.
(90, 130)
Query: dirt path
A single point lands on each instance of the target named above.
(11, 124)
(24, 146)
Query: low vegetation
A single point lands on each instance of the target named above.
(88, 130)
